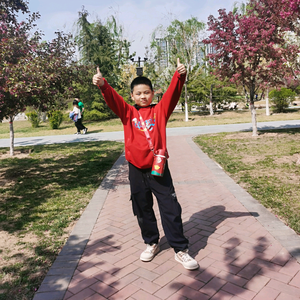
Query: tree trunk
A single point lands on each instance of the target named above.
(185, 103)
(12, 136)
(43, 117)
(211, 110)
(246, 97)
(254, 121)
(267, 103)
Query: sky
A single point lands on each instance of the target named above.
(139, 18)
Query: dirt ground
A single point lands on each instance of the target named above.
(17, 154)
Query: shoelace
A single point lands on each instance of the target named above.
(150, 248)
(185, 257)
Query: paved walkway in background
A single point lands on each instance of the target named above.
(243, 250)
(118, 135)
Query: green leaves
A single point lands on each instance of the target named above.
(100, 45)
(282, 98)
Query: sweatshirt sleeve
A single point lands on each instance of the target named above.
(114, 101)
(172, 94)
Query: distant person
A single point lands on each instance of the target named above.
(78, 122)
(81, 107)
(145, 142)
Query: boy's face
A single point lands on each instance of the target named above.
(142, 95)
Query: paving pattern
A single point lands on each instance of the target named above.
(244, 251)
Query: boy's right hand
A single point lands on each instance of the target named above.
(98, 79)
(180, 67)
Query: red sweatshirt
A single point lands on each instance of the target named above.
(137, 149)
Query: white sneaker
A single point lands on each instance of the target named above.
(150, 252)
(186, 260)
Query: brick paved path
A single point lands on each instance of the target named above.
(234, 239)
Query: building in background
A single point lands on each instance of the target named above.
(164, 52)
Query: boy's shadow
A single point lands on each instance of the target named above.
(203, 224)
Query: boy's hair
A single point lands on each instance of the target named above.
(75, 102)
(140, 80)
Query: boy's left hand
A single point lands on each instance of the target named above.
(180, 67)
(98, 79)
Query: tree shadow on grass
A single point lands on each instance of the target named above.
(61, 173)
(289, 129)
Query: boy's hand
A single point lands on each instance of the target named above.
(180, 67)
(98, 79)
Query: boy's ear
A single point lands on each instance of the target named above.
(131, 96)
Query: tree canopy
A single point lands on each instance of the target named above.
(182, 39)
(32, 73)
(284, 15)
(10, 8)
(100, 45)
(250, 51)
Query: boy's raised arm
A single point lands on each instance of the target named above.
(172, 94)
(114, 101)
(98, 78)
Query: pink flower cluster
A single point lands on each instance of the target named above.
(294, 4)
(289, 8)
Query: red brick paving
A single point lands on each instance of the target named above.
(238, 257)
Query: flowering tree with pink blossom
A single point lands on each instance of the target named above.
(32, 73)
(249, 51)
(285, 15)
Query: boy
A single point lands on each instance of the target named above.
(140, 159)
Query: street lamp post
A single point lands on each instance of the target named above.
(139, 69)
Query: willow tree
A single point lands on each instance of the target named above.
(100, 44)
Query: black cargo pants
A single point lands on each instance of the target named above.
(142, 185)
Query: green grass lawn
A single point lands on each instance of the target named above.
(42, 195)
(266, 166)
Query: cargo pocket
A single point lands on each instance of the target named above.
(135, 208)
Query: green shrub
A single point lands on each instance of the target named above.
(96, 115)
(66, 117)
(34, 119)
(282, 98)
(55, 118)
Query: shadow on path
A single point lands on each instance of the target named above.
(229, 266)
